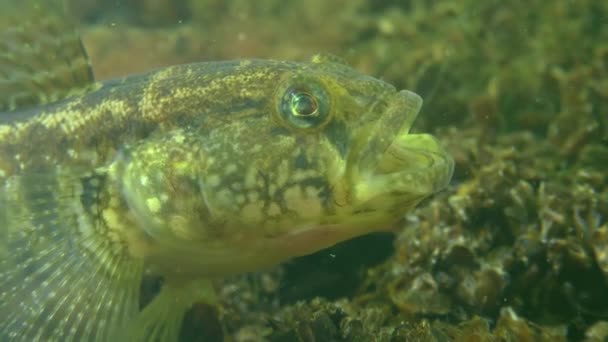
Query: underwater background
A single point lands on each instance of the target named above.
(516, 249)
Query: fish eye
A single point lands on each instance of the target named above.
(305, 105)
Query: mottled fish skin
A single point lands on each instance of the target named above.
(193, 172)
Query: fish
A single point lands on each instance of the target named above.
(190, 173)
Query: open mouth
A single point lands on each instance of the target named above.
(395, 166)
(413, 167)
(396, 119)
(419, 157)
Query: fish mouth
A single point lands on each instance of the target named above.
(398, 114)
(413, 167)
(417, 157)
(395, 168)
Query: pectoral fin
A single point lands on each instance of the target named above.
(64, 274)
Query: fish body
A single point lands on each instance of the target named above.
(190, 172)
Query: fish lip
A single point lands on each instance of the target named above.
(413, 167)
(433, 169)
(396, 119)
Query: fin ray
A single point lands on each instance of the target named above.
(162, 318)
(61, 278)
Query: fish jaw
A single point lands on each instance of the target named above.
(414, 166)
(375, 138)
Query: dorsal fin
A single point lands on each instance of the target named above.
(42, 59)
(328, 57)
